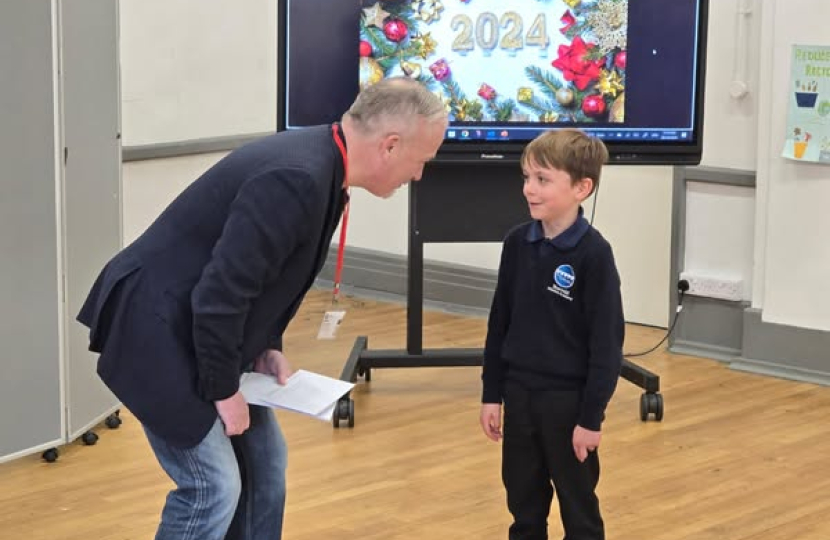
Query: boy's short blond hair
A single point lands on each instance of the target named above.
(569, 150)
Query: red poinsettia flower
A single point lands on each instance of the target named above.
(575, 65)
(568, 20)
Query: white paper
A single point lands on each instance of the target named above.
(305, 392)
(327, 413)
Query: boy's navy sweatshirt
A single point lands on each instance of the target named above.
(556, 321)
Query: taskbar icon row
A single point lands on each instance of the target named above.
(604, 134)
(647, 135)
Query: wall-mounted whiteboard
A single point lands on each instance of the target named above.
(194, 70)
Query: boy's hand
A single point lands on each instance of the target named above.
(491, 420)
(585, 441)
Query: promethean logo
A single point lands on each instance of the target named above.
(492, 156)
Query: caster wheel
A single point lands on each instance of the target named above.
(89, 438)
(644, 407)
(343, 411)
(340, 412)
(651, 403)
(335, 416)
(113, 421)
(658, 407)
(50, 455)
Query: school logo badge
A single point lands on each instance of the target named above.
(564, 276)
(563, 279)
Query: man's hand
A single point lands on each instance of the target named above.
(491, 420)
(234, 414)
(273, 362)
(584, 441)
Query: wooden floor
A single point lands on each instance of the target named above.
(737, 456)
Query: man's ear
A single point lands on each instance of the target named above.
(390, 143)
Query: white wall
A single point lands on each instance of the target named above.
(149, 186)
(720, 232)
(720, 224)
(634, 214)
(793, 252)
(730, 124)
(194, 69)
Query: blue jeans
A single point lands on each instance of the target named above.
(226, 488)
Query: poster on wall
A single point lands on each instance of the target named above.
(808, 122)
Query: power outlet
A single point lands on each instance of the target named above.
(713, 286)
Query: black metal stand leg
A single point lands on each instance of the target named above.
(353, 365)
(414, 282)
(640, 376)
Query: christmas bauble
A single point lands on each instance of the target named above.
(621, 59)
(565, 96)
(370, 72)
(617, 112)
(395, 30)
(593, 105)
(411, 69)
(365, 48)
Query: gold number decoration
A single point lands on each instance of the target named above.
(463, 42)
(512, 40)
(537, 35)
(487, 31)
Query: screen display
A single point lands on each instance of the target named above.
(629, 72)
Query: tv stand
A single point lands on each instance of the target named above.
(459, 203)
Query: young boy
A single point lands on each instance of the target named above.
(554, 343)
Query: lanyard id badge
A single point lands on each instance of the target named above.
(333, 318)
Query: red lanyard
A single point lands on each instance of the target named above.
(341, 248)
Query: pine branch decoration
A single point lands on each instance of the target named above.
(547, 83)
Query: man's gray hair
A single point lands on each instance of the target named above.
(395, 101)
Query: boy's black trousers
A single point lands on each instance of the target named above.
(538, 458)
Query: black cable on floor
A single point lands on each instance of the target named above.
(682, 287)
